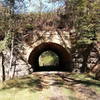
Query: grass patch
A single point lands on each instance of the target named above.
(88, 81)
(26, 88)
(70, 94)
(14, 94)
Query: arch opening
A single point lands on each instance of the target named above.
(63, 56)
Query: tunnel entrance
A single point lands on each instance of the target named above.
(50, 57)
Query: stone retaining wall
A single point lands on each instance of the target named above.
(92, 60)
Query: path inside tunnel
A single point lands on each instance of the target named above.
(51, 68)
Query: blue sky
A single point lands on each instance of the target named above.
(34, 6)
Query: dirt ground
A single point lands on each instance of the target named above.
(75, 89)
(51, 86)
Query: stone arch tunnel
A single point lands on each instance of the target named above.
(63, 54)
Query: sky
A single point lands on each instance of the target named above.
(34, 6)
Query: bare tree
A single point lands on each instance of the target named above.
(2, 66)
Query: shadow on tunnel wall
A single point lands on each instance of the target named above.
(64, 55)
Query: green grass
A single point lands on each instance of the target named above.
(88, 80)
(70, 93)
(46, 60)
(24, 94)
(14, 94)
(25, 88)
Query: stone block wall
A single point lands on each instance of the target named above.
(20, 65)
(91, 58)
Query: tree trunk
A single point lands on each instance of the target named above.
(11, 58)
(2, 66)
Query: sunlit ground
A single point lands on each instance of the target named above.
(51, 86)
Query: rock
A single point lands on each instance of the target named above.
(97, 76)
(96, 70)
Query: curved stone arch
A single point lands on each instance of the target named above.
(63, 54)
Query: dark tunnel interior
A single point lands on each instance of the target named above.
(63, 54)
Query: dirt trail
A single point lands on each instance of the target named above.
(56, 92)
(61, 87)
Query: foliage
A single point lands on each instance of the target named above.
(6, 42)
(83, 15)
(87, 22)
(48, 58)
